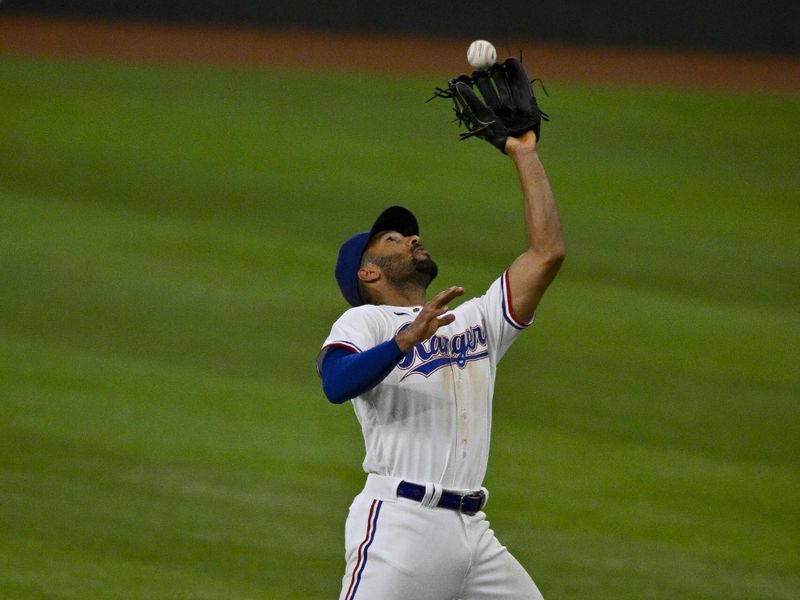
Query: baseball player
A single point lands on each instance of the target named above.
(420, 377)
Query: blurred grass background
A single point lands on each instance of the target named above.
(167, 236)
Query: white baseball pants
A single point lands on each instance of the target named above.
(399, 549)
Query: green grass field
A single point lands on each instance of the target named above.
(167, 238)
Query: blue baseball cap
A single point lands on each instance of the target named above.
(394, 218)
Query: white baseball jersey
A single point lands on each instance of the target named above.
(429, 420)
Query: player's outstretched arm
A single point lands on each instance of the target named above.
(533, 271)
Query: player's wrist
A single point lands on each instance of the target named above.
(524, 146)
(523, 155)
(404, 341)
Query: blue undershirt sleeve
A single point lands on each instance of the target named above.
(347, 374)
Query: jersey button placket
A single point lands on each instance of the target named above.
(463, 414)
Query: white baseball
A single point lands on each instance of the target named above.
(481, 55)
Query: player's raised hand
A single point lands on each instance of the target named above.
(430, 318)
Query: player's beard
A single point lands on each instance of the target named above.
(419, 272)
(425, 269)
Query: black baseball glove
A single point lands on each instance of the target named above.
(508, 108)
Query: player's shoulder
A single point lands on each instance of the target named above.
(469, 306)
(493, 305)
(356, 311)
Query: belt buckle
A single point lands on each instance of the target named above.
(479, 496)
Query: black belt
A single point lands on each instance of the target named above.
(469, 504)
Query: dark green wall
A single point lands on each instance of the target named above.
(771, 26)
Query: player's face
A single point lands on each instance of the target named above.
(401, 257)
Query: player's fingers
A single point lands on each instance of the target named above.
(438, 312)
(445, 296)
(431, 315)
(452, 292)
(446, 319)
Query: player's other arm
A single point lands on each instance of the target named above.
(533, 271)
(347, 373)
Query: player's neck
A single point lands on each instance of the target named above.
(410, 295)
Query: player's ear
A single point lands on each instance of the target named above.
(369, 273)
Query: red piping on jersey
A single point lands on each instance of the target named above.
(507, 289)
(345, 345)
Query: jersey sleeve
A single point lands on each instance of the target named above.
(502, 324)
(357, 330)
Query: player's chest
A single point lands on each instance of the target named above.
(460, 350)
